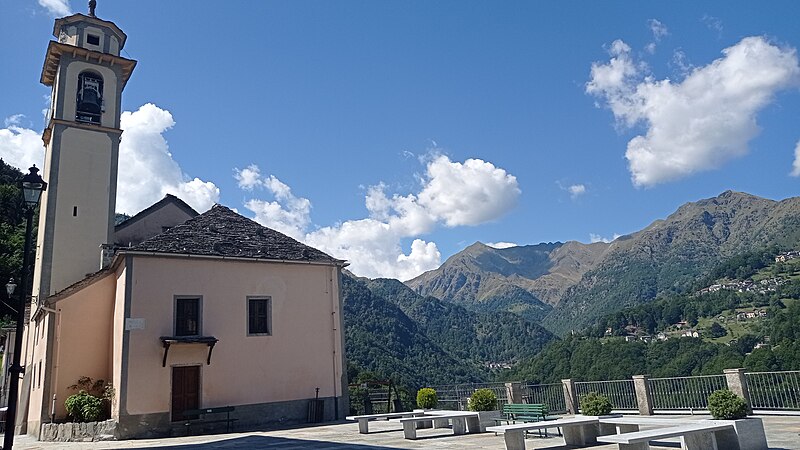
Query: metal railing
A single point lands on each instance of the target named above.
(685, 392)
(774, 390)
(777, 391)
(621, 392)
(454, 396)
(551, 395)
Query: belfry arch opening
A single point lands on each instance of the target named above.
(89, 101)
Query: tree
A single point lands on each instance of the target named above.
(717, 331)
(761, 360)
(12, 232)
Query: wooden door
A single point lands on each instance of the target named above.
(185, 390)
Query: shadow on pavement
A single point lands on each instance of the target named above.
(266, 442)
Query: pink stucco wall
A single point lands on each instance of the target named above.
(81, 346)
(117, 329)
(303, 352)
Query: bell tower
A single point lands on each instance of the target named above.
(87, 75)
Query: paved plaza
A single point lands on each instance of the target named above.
(783, 432)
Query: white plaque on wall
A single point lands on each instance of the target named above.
(134, 324)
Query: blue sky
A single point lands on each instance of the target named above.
(394, 134)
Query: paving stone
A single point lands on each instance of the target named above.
(783, 433)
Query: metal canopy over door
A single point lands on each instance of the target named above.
(185, 390)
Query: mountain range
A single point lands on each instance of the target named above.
(566, 286)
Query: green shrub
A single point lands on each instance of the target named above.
(92, 402)
(84, 407)
(724, 404)
(483, 400)
(594, 404)
(426, 398)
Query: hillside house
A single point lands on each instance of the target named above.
(787, 256)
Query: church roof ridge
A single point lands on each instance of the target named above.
(169, 198)
(222, 232)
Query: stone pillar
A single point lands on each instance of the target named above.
(570, 396)
(644, 397)
(737, 383)
(514, 392)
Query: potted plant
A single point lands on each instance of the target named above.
(484, 402)
(749, 432)
(594, 404)
(427, 399)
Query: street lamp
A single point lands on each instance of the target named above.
(32, 187)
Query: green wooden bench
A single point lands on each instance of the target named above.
(525, 412)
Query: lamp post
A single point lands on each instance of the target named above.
(32, 187)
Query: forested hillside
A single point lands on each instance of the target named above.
(588, 358)
(484, 338)
(394, 333)
(381, 339)
(12, 231)
(670, 255)
(751, 321)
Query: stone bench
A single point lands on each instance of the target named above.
(630, 424)
(700, 435)
(462, 421)
(747, 434)
(579, 431)
(363, 420)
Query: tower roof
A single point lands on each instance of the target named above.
(224, 233)
(78, 17)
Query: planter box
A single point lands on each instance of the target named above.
(747, 434)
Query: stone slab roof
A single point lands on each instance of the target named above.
(224, 233)
(169, 198)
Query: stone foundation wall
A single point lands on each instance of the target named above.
(248, 418)
(80, 432)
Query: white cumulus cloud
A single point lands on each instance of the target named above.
(147, 170)
(576, 190)
(467, 194)
(796, 164)
(501, 245)
(703, 121)
(56, 8)
(20, 147)
(451, 194)
(713, 24)
(15, 119)
(288, 213)
(597, 238)
(659, 31)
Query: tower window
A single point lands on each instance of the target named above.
(92, 39)
(89, 105)
(74, 211)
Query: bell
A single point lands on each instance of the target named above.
(89, 102)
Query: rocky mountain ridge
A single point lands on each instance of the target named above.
(565, 285)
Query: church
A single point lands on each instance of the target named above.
(177, 310)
